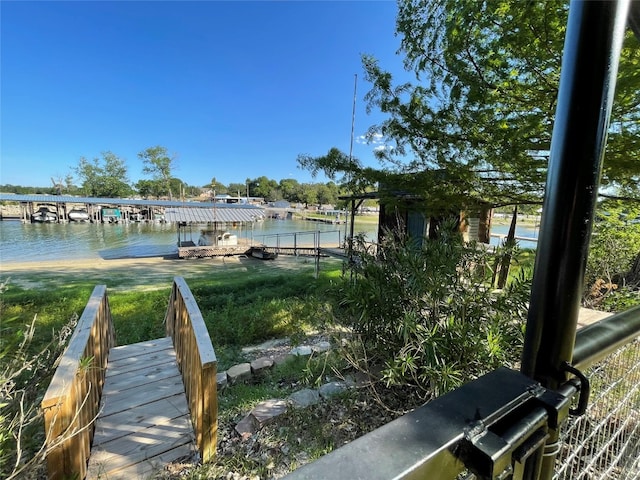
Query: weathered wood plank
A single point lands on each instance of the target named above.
(196, 360)
(140, 348)
(147, 468)
(142, 395)
(128, 364)
(203, 341)
(119, 424)
(143, 376)
(139, 446)
(587, 316)
(68, 366)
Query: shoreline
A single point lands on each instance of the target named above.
(149, 272)
(80, 264)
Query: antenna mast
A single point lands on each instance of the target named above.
(353, 121)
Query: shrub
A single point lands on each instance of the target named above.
(427, 313)
(610, 282)
(24, 374)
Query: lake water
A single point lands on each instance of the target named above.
(521, 231)
(33, 242)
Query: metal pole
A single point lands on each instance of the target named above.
(353, 123)
(592, 47)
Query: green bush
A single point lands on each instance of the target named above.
(615, 244)
(24, 375)
(428, 314)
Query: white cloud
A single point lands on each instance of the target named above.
(381, 148)
(370, 139)
(376, 139)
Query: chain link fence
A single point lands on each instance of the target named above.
(605, 442)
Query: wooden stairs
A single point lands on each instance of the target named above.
(125, 412)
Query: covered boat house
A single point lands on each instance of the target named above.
(213, 229)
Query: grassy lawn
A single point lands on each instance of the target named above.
(242, 302)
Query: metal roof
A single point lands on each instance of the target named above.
(238, 213)
(38, 198)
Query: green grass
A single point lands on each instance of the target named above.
(239, 305)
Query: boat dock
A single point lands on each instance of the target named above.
(67, 208)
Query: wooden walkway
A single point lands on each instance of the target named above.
(144, 420)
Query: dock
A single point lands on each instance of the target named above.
(123, 412)
(144, 416)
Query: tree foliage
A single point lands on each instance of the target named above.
(339, 167)
(612, 276)
(157, 162)
(103, 177)
(483, 102)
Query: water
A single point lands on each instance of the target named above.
(521, 231)
(33, 242)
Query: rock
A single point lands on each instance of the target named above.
(261, 364)
(332, 389)
(304, 398)
(301, 351)
(266, 411)
(247, 426)
(221, 380)
(239, 372)
(321, 347)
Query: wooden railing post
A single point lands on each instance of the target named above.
(72, 400)
(197, 362)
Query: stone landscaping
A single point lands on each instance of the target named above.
(276, 352)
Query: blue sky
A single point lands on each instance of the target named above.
(235, 90)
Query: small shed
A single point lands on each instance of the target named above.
(418, 204)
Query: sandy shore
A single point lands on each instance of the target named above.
(93, 264)
(149, 271)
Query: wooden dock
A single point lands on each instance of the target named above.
(144, 420)
(124, 412)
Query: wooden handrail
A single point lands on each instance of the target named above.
(72, 400)
(197, 363)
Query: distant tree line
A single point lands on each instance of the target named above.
(107, 176)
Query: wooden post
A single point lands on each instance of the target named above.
(72, 400)
(197, 362)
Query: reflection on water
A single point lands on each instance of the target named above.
(29, 242)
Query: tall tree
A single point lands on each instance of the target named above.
(482, 107)
(263, 187)
(103, 177)
(157, 162)
(149, 188)
(290, 189)
(339, 167)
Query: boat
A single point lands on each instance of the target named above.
(44, 215)
(111, 215)
(262, 254)
(78, 215)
